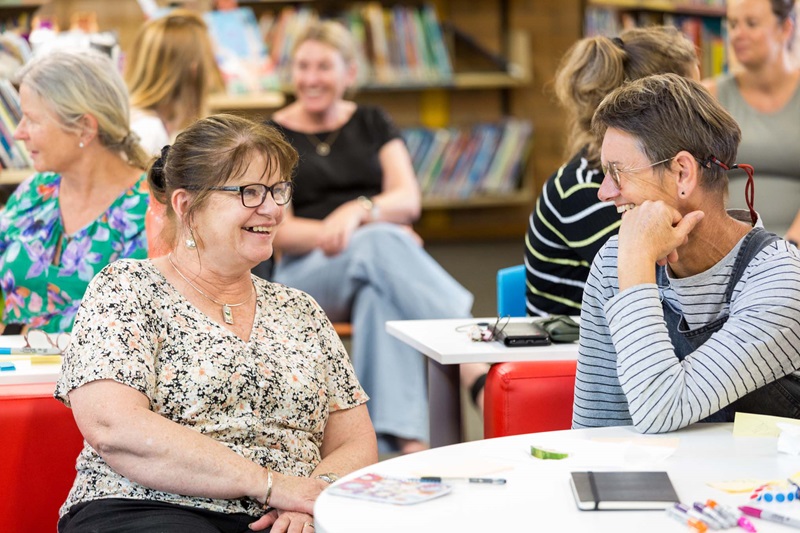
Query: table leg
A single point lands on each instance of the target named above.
(444, 404)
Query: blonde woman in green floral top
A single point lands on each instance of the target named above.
(85, 206)
(210, 399)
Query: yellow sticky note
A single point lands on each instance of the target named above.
(750, 425)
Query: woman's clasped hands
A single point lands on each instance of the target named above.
(291, 504)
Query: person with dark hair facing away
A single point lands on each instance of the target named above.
(569, 224)
(691, 312)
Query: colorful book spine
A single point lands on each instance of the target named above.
(458, 163)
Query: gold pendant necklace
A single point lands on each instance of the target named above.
(323, 148)
(227, 314)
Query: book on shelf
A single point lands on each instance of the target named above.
(398, 45)
(240, 51)
(708, 35)
(12, 152)
(707, 32)
(458, 163)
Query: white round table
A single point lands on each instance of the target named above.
(538, 497)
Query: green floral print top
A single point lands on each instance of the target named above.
(37, 292)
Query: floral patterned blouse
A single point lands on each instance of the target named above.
(47, 296)
(267, 399)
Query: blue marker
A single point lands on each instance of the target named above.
(7, 367)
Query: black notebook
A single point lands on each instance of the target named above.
(622, 490)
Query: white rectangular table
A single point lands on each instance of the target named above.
(446, 344)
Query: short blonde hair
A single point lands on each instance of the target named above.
(171, 67)
(86, 82)
(332, 33)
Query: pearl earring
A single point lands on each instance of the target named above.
(81, 144)
(191, 244)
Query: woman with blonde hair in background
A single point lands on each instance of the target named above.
(170, 71)
(348, 239)
(763, 95)
(84, 206)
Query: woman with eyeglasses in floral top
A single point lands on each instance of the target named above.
(210, 399)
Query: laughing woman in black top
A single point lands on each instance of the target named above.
(348, 239)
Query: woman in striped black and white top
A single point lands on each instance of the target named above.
(693, 312)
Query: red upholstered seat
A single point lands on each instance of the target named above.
(528, 397)
(39, 443)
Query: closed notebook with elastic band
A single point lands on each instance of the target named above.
(599, 491)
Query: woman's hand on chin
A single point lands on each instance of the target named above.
(651, 234)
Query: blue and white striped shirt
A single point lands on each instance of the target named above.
(628, 372)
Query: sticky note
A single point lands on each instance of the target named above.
(750, 425)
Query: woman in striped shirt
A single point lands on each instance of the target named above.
(692, 312)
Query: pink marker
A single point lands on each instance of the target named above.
(769, 515)
(745, 524)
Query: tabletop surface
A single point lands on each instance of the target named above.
(538, 497)
(26, 372)
(447, 342)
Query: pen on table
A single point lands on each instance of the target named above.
(736, 518)
(30, 351)
(694, 523)
(697, 515)
(481, 480)
(728, 512)
(723, 521)
(769, 515)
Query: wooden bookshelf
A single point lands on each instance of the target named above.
(702, 22)
(531, 34)
(664, 6)
(245, 102)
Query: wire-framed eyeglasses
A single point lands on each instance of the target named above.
(613, 171)
(39, 340)
(253, 195)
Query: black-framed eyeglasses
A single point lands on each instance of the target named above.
(613, 171)
(253, 195)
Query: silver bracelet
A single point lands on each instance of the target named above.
(269, 489)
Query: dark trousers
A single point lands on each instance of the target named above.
(120, 515)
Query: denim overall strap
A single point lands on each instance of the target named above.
(779, 398)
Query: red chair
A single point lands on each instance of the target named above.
(39, 444)
(529, 396)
